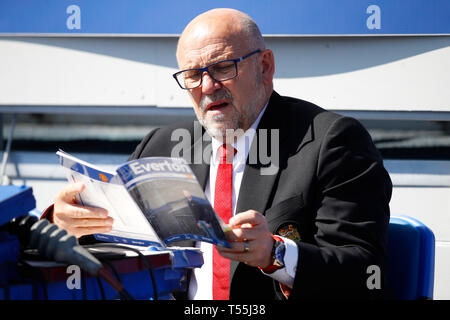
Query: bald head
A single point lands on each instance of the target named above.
(228, 25)
(217, 39)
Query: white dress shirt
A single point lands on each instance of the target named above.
(200, 287)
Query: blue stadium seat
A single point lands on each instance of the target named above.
(411, 247)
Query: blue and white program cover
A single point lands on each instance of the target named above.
(153, 201)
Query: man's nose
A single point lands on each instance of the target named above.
(209, 85)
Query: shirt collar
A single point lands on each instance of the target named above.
(242, 144)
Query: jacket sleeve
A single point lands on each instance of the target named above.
(48, 213)
(352, 216)
(142, 145)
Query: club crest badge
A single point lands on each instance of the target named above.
(289, 231)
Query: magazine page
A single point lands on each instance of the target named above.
(169, 195)
(104, 189)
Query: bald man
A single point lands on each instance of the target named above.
(306, 225)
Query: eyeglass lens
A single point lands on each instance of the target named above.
(220, 71)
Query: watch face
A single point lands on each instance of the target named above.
(280, 250)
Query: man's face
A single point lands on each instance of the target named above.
(231, 104)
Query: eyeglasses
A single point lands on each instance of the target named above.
(220, 71)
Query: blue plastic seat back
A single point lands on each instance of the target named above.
(411, 247)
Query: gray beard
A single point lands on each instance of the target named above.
(236, 124)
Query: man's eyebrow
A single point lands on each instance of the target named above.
(212, 61)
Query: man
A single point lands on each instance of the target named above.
(326, 196)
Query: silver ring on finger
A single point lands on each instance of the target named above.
(246, 247)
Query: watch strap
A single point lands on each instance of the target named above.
(273, 267)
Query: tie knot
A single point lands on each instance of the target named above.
(226, 153)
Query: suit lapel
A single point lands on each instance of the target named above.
(199, 152)
(258, 180)
(257, 188)
(260, 176)
(201, 171)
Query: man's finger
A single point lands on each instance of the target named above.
(70, 191)
(251, 217)
(88, 222)
(81, 212)
(240, 234)
(83, 231)
(237, 247)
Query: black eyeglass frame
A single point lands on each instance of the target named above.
(206, 69)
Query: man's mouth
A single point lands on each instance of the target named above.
(217, 105)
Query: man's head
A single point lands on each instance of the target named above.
(217, 35)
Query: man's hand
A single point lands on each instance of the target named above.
(76, 219)
(249, 228)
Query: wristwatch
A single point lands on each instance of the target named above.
(278, 251)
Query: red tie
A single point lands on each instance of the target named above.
(223, 207)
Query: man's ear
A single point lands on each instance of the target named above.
(268, 66)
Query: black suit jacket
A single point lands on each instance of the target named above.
(329, 184)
